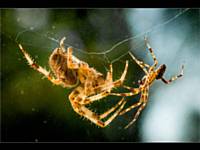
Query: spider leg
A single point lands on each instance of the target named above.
(105, 114)
(80, 97)
(134, 91)
(109, 80)
(173, 78)
(93, 117)
(152, 53)
(122, 78)
(142, 103)
(62, 46)
(90, 99)
(105, 88)
(39, 68)
(89, 83)
(96, 97)
(103, 92)
(70, 63)
(109, 76)
(131, 107)
(140, 63)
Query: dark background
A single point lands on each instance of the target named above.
(34, 110)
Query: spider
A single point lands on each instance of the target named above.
(151, 74)
(89, 84)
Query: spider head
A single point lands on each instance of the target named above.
(161, 71)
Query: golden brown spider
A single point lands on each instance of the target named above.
(90, 84)
(150, 75)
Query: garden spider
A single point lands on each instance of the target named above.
(89, 84)
(150, 75)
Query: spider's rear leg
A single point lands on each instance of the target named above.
(39, 68)
(93, 117)
(134, 91)
(142, 103)
(173, 78)
(93, 98)
(105, 114)
(77, 96)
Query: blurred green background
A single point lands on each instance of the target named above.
(34, 110)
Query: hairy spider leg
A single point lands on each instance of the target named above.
(122, 78)
(105, 114)
(140, 63)
(70, 63)
(95, 118)
(105, 88)
(109, 76)
(173, 78)
(74, 97)
(152, 54)
(39, 68)
(134, 91)
(110, 84)
(62, 46)
(142, 103)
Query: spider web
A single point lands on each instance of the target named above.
(116, 54)
(105, 57)
(40, 45)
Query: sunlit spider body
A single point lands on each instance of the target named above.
(151, 74)
(90, 85)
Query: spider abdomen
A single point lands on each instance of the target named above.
(58, 64)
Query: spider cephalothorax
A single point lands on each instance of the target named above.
(160, 71)
(90, 85)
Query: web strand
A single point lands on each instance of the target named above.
(153, 29)
(104, 53)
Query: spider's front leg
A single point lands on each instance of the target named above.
(152, 54)
(109, 76)
(72, 61)
(140, 63)
(173, 78)
(62, 46)
(120, 81)
(39, 68)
